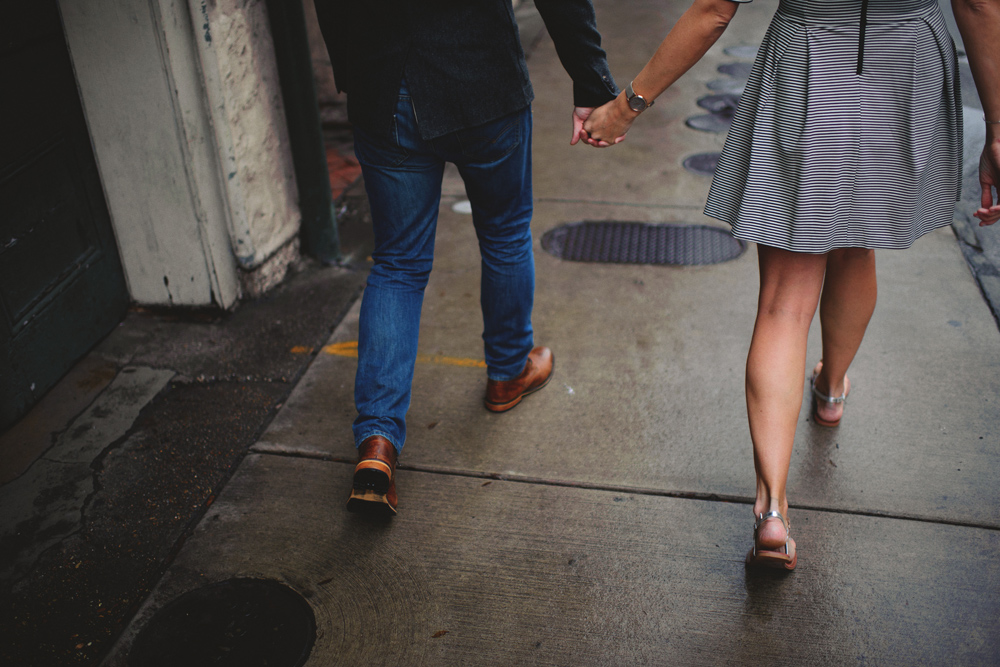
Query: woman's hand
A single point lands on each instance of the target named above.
(989, 178)
(607, 124)
(696, 30)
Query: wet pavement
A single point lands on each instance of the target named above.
(107, 476)
(602, 522)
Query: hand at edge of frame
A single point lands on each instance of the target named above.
(989, 178)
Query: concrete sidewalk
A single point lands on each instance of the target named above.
(605, 520)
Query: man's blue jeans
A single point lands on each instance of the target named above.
(403, 179)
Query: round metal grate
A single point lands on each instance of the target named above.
(710, 122)
(641, 243)
(727, 86)
(702, 163)
(723, 103)
(722, 107)
(234, 623)
(745, 51)
(739, 71)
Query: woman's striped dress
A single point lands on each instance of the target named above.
(849, 132)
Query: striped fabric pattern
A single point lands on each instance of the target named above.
(820, 157)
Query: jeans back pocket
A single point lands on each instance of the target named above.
(494, 140)
(378, 151)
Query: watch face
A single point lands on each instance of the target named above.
(636, 103)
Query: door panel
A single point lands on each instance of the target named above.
(61, 283)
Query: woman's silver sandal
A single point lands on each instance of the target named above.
(786, 559)
(830, 400)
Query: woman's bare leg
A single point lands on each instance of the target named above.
(790, 287)
(846, 307)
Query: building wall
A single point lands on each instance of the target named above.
(185, 115)
(255, 116)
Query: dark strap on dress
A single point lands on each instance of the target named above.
(861, 35)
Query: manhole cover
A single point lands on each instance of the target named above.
(702, 163)
(723, 108)
(737, 70)
(641, 243)
(741, 51)
(234, 623)
(727, 86)
(725, 103)
(710, 122)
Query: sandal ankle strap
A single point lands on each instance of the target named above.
(823, 397)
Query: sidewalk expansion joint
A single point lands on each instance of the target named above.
(634, 490)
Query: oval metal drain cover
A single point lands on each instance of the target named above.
(726, 86)
(234, 623)
(702, 163)
(724, 103)
(710, 122)
(737, 70)
(742, 51)
(641, 243)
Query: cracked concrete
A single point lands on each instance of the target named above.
(46, 504)
(109, 472)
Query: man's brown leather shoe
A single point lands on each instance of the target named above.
(374, 478)
(503, 395)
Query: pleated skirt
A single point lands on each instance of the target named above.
(820, 156)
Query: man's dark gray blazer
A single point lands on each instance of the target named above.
(462, 59)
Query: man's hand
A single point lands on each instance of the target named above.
(580, 114)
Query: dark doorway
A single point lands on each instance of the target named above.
(61, 282)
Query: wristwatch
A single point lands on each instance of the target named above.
(636, 103)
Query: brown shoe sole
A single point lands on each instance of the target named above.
(370, 488)
(366, 501)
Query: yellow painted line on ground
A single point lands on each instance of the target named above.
(301, 349)
(350, 349)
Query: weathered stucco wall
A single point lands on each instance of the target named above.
(174, 249)
(185, 112)
(257, 126)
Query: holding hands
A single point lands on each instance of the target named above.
(583, 120)
(685, 44)
(606, 125)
